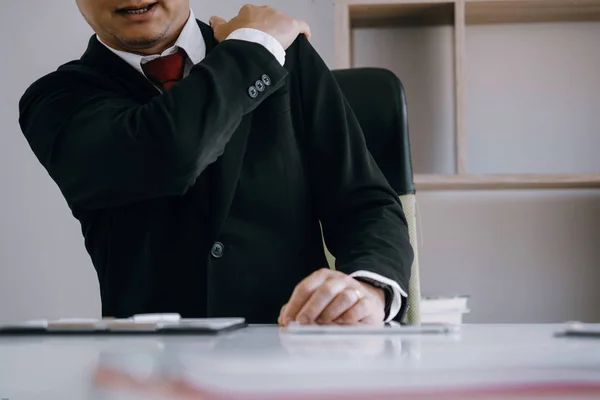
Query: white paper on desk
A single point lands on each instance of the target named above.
(371, 329)
(31, 324)
(207, 323)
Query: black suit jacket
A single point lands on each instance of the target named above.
(157, 180)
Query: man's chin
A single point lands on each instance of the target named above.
(141, 43)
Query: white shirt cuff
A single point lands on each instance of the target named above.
(399, 294)
(260, 37)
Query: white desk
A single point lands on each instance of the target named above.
(483, 361)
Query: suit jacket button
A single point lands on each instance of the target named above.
(260, 86)
(266, 80)
(217, 250)
(253, 92)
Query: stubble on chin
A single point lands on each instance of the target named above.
(140, 44)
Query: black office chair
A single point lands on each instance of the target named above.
(378, 100)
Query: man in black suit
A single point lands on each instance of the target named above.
(202, 162)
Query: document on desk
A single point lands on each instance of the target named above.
(387, 329)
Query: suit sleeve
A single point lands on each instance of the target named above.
(104, 149)
(364, 225)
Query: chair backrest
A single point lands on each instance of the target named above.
(378, 100)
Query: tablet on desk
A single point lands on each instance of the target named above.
(387, 329)
(141, 324)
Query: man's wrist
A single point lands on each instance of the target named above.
(260, 37)
(399, 294)
(388, 293)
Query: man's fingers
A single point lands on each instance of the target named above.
(304, 28)
(355, 314)
(216, 21)
(321, 298)
(220, 27)
(247, 7)
(342, 303)
(303, 292)
(281, 313)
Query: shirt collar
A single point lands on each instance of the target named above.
(190, 40)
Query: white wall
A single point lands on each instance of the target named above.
(44, 270)
(523, 256)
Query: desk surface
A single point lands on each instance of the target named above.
(260, 362)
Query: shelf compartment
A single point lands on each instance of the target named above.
(524, 11)
(427, 182)
(408, 14)
(452, 136)
(420, 48)
(532, 98)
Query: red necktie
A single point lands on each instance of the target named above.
(166, 71)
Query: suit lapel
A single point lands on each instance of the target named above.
(209, 37)
(225, 172)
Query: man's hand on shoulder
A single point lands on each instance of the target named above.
(332, 297)
(263, 18)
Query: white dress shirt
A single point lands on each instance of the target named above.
(192, 42)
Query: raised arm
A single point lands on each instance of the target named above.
(104, 149)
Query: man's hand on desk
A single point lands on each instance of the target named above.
(283, 28)
(332, 297)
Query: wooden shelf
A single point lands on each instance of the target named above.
(378, 15)
(520, 11)
(351, 14)
(497, 182)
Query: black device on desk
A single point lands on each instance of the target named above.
(160, 324)
(579, 329)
